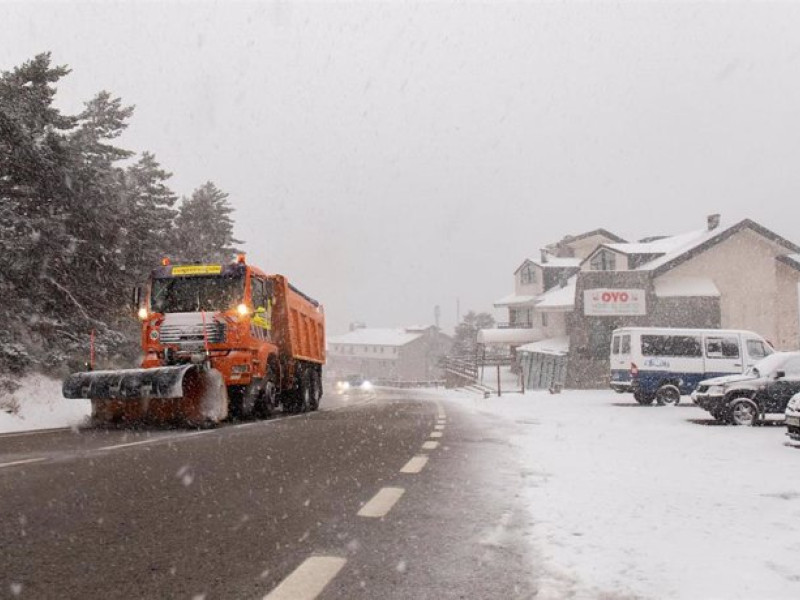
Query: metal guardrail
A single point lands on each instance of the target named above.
(434, 383)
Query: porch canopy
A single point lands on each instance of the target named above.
(509, 337)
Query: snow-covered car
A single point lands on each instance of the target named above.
(765, 389)
(793, 417)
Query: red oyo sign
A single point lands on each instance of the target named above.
(614, 302)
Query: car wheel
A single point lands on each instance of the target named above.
(668, 394)
(743, 412)
(643, 399)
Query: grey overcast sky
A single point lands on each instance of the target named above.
(389, 157)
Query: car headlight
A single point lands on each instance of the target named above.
(716, 390)
(366, 385)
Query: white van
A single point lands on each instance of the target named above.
(659, 363)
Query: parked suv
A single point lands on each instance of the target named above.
(745, 399)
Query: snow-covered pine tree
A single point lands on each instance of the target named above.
(204, 227)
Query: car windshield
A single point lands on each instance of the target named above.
(767, 365)
(193, 294)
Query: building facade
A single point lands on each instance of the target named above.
(411, 354)
(739, 276)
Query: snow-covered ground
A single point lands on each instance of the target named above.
(654, 502)
(38, 404)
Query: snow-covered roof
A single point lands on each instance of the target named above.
(514, 300)
(559, 261)
(562, 298)
(376, 337)
(557, 345)
(509, 336)
(792, 260)
(670, 287)
(688, 242)
(659, 246)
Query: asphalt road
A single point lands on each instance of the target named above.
(380, 494)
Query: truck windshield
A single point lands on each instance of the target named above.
(194, 294)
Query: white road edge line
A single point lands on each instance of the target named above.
(14, 434)
(171, 438)
(27, 461)
(382, 502)
(436, 434)
(308, 580)
(415, 465)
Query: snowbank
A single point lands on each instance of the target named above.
(38, 404)
(657, 502)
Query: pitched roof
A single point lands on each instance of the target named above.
(559, 297)
(600, 231)
(793, 260)
(709, 238)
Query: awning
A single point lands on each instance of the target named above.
(558, 346)
(514, 300)
(489, 337)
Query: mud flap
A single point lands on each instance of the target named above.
(190, 394)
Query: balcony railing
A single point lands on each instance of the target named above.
(515, 325)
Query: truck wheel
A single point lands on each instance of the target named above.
(265, 401)
(306, 393)
(236, 402)
(316, 392)
(744, 412)
(668, 394)
(643, 399)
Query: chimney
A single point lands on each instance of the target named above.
(544, 255)
(713, 221)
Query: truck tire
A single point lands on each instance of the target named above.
(236, 402)
(643, 399)
(316, 392)
(299, 399)
(265, 401)
(668, 395)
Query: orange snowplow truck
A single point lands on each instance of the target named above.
(219, 341)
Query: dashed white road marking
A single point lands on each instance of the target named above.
(430, 445)
(308, 580)
(415, 465)
(381, 503)
(436, 434)
(439, 427)
(26, 461)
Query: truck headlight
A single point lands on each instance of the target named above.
(142, 313)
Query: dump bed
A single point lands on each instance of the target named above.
(299, 323)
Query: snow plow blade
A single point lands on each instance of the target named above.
(182, 394)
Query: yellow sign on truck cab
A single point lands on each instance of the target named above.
(197, 270)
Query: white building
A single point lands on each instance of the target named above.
(402, 354)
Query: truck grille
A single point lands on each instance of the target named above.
(193, 334)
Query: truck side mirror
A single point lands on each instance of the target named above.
(780, 374)
(136, 298)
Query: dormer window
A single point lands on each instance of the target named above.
(604, 260)
(527, 274)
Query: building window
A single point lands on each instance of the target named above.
(544, 319)
(604, 260)
(527, 274)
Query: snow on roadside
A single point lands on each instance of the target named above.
(38, 404)
(653, 502)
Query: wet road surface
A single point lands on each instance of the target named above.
(380, 494)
